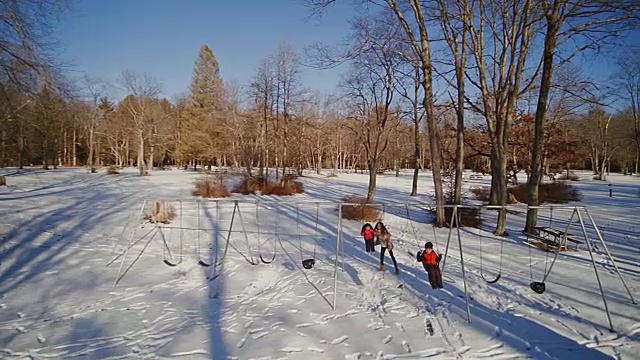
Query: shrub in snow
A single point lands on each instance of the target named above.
(551, 193)
(363, 211)
(210, 187)
(481, 193)
(261, 185)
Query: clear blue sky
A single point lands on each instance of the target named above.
(162, 37)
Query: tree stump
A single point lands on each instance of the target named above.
(161, 213)
(3, 181)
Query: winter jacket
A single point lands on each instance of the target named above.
(431, 258)
(385, 240)
(368, 234)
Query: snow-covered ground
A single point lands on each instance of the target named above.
(61, 233)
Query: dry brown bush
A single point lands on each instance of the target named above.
(332, 175)
(162, 213)
(481, 193)
(253, 185)
(249, 185)
(3, 181)
(467, 217)
(210, 187)
(552, 193)
(112, 170)
(363, 212)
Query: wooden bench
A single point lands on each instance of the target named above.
(475, 177)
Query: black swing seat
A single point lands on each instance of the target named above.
(264, 261)
(172, 264)
(202, 263)
(491, 281)
(538, 287)
(308, 263)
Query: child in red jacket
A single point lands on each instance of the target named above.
(431, 262)
(368, 233)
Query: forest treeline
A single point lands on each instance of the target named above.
(497, 86)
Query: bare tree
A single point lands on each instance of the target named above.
(589, 23)
(411, 17)
(95, 89)
(453, 20)
(371, 84)
(500, 35)
(628, 77)
(139, 104)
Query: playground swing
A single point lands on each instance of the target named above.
(166, 249)
(415, 235)
(309, 262)
(275, 241)
(200, 261)
(499, 275)
(539, 287)
(251, 260)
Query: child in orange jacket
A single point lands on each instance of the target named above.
(368, 233)
(431, 262)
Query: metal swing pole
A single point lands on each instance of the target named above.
(606, 249)
(115, 245)
(464, 276)
(595, 269)
(446, 250)
(335, 266)
(226, 246)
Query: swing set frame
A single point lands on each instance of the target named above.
(579, 213)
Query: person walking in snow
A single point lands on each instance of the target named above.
(431, 262)
(368, 233)
(384, 237)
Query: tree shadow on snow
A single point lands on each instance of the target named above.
(214, 303)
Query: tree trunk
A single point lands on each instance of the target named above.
(499, 183)
(73, 148)
(141, 167)
(20, 146)
(541, 110)
(457, 198)
(91, 143)
(373, 172)
(3, 147)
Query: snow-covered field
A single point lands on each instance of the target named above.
(61, 232)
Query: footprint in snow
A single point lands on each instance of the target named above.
(291, 349)
(259, 335)
(241, 342)
(354, 356)
(400, 327)
(21, 330)
(41, 339)
(387, 339)
(339, 340)
(20, 314)
(406, 346)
